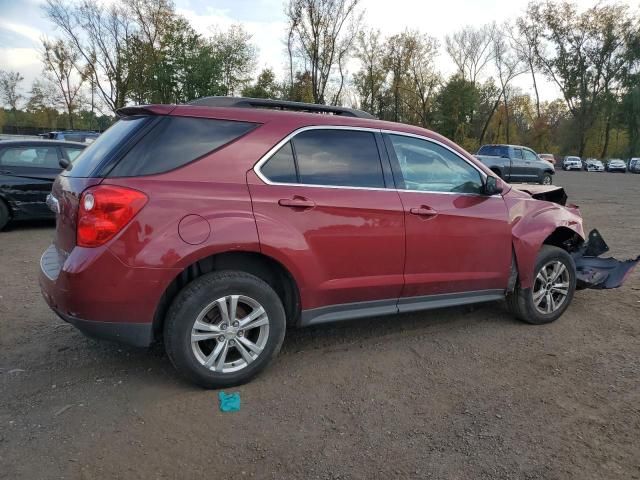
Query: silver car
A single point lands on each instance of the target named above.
(594, 165)
(616, 165)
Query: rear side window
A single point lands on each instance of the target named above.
(346, 158)
(176, 141)
(493, 150)
(85, 164)
(281, 166)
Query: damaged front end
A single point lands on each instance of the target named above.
(599, 273)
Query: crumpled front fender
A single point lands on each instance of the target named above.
(600, 273)
(533, 222)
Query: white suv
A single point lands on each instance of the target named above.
(572, 163)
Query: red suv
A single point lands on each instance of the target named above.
(216, 225)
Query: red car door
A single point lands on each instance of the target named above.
(458, 240)
(323, 210)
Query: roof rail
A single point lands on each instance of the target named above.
(246, 102)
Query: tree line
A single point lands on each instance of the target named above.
(142, 51)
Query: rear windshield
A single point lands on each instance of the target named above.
(103, 146)
(493, 150)
(176, 141)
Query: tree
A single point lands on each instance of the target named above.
(508, 66)
(524, 43)
(10, 89)
(266, 86)
(583, 53)
(101, 36)
(322, 34)
(470, 49)
(61, 67)
(237, 56)
(369, 81)
(455, 104)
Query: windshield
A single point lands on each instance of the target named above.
(92, 156)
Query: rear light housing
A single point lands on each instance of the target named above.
(104, 211)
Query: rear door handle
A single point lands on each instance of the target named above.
(296, 202)
(5, 172)
(423, 211)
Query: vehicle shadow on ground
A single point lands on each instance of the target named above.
(335, 337)
(15, 225)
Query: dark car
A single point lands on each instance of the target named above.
(216, 225)
(27, 171)
(81, 136)
(515, 163)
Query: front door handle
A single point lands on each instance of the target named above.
(296, 202)
(5, 172)
(423, 211)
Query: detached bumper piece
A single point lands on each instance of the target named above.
(600, 273)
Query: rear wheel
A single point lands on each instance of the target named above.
(553, 288)
(4, 214)
(224, 328)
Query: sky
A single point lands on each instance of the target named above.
(22, 25)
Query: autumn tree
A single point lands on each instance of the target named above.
(321, 36)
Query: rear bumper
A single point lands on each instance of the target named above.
(135, 334)
(100, 295)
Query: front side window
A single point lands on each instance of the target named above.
(529, 156)
(346, 158)
(427, 166)
(41, 157)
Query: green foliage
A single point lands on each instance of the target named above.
(266, 86)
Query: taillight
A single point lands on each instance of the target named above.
(104, 210)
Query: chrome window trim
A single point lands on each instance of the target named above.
(265, 158)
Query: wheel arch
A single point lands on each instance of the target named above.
(527, 244)
(262, 266)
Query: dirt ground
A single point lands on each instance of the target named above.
(447, 394)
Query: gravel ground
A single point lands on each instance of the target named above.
(459, 393)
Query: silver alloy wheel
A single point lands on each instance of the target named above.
(551, 287)
(546, 180)
(230, 333)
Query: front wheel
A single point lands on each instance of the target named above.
(547, 179)
(553, 287)
(4, 214)
(224, 328)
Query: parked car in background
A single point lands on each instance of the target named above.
(634, 165)
(81, 136)
(515, 163)
(572, 163)
(27, 171)
(593, 165)
(616, 165)
(216, 225)
(549, 157)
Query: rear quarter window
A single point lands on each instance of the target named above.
(176, 141)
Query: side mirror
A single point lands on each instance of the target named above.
(491, 186)
(64, 163)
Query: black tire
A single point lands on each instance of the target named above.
(520, 302)
(546, 179)
(5, 215)
(193, 299)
